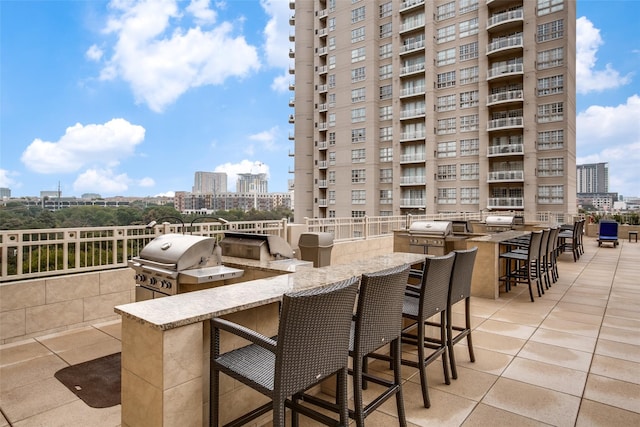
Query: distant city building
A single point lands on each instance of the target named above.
(252, 183)
(600, 201)
(91, 196)
(593, 178)
(5, 193)
(186, 202)
(209, 183)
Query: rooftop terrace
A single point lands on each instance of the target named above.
(570, 358)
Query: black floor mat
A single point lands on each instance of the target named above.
(96, 382)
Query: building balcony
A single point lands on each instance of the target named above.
(292, 4)
(292, 119)
(506, 176)
(412, 136)
(322, 203)
(412, 47)
(408, 5)
(322, 164)
(505, 44)
(323, 50)
(292, 54)
(413, 180)
(322, 13)
(292, 70)
(505, 203)
(506, 123)
(292, 38)
(292, 20)
(411, 25)
(292, 102)
(413, 158)
(322, 145)
(322, 88)
(292, 86)
(413, 91)
(505, 97)
(413, 203)
(505, 71)
(322, 69)
(322, 107)
(323, 125)
(412, 69)
(291, 137)
(505, 20)
(505, 150)
(322, 183)
(412, 114)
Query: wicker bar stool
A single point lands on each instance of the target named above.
(377, 323)
(312, 344)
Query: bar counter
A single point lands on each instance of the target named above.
(165, 342)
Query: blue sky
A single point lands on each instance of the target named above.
(131, 98)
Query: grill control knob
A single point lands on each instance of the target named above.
(140, 277)
(167, 284)
(153, 280)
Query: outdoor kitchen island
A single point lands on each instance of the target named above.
(165, 341)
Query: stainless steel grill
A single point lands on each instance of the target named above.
(171, 261)
(430, 235)
(262, 247)
(497, 223)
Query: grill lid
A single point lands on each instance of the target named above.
(502, 220)
(179, 251)
(431, 228)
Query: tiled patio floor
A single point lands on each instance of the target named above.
(570, 358)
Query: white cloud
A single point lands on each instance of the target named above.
(201, 12)
(161, 61)
(103, 144)
(277, 44)
(146, 182)
(166, 194)
(101, 181)
(267, 138)
(245, 166)
(6, 179)
(612, 134)
(588, 78)
(94, 53)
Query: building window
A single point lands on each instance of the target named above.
(469, 75)
(332, 81)
(331, 24)
(357, 15)
(386, 9)
(331, 195)
(552, 194)
(551, 140)
(465, 6)
(469, 147)
(469, 196)
(469, 171)
(446, 196)
(469, 123)
(332, 43)
(386, 51)
(357, 176)
(332, 213)
(386, 154)
(386, 112)
(551, 31)
(386, 71)
(446, 11)
(446, 149)
(332, 138)
(332, 62)
(358, 197)
(551, 112)
(386, 92)
(331, 99)
(446, 173)
(469, 99)
(358, 135)
(468, 51)
(332, 119)
(550, 58)
(332, 178)
(358, 74)
(358, 156)
(386, 133)
(446, 34)
(551, 167)
(446, 57)
(358, 95)
(357, 34)
(546, 7)
(358, 214)
(468, 28)
(358, 54)
(386, 197)
(358, 115)
(446, 126)
(332, 158)
(447, 79)
(551, 85)
(446, 103)
(385, 30)
(386, 176)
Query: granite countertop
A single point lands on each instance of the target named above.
(499, 237)
(184, 309)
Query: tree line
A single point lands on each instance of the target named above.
(17, 216)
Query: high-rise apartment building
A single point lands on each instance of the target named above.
(593, 178)
(210, 183)
(414, 106)
(252, 183)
